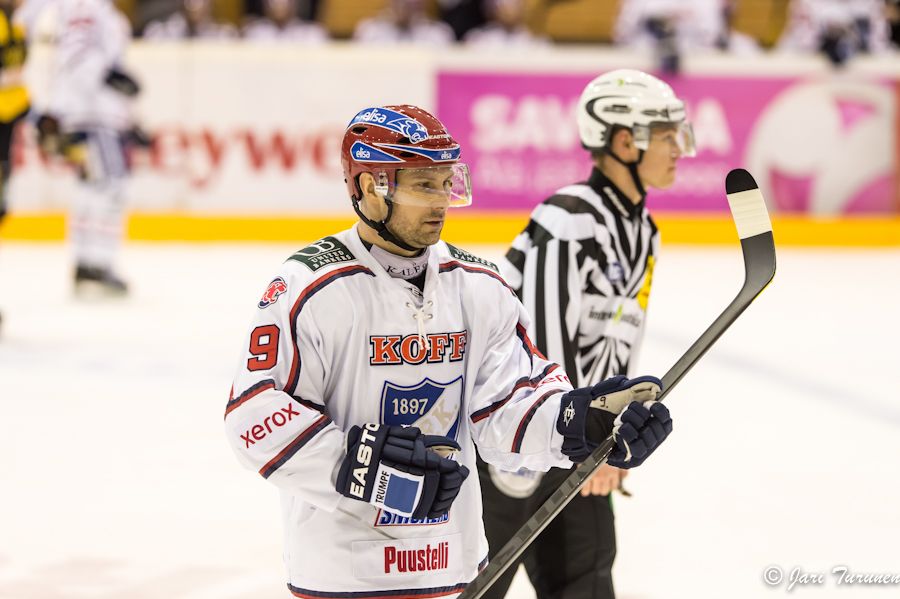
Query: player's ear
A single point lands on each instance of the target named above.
(371, 203)
(623, 145)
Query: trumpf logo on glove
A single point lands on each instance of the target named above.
(381, 489)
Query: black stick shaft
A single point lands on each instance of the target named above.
(759, 268)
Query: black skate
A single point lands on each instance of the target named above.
(90, 281)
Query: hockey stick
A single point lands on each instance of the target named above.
(748, 208)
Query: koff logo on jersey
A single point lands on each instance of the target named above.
(396, 349)
(276, 288)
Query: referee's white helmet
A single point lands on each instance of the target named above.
(631, 99)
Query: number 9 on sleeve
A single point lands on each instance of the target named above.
(263, 345)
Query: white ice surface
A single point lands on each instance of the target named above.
(116, 482)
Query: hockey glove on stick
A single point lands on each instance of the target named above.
(400, 470)
(626, 408)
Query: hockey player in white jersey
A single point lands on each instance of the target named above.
(583, 267)
(88, 120)
(379, 358)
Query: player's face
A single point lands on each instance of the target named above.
(657, 168)
(419, 223)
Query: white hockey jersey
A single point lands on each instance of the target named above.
(334, 343)
(91, 38)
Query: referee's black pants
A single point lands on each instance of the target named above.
(572, 558)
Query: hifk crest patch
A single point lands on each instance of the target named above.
(275, 288)
(431, 406)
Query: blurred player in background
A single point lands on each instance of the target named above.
(674, 27)
(506, 27)
(88, 122)
(281, 23)
(14, 101)
(583, 268)
(193, 21)
(404, 22)
(379, 344)
(837, 28)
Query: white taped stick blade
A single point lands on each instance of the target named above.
(749, 211)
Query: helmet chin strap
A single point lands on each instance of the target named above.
(633, 169)
(381, 227)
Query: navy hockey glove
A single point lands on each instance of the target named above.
(639, 430)
(625, 407)
(400, 470)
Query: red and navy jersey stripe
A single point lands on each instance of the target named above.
(530, 349)
(520, 432)
(453, 265)
(310, 404)
(425, 593)
(520, 384)
(236, 402)
(304, 297)
(294, 446)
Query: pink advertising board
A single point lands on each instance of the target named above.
(823, 146)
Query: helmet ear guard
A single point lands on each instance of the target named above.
(381, 185)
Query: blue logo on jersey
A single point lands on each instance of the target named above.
(615, 273)
(389, 519)
(430, 406)
(395, 121)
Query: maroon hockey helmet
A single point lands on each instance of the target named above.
(386, 139)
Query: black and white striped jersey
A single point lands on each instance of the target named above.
(583, 268)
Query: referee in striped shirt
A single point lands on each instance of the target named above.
(583, 268)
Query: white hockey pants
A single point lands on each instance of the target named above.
(96, 223)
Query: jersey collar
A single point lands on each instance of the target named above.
(613, 197)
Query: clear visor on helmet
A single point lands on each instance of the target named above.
(678, 135)
(439, 185)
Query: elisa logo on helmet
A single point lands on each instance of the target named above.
(371, 116)
(393, 120)
(366, 153)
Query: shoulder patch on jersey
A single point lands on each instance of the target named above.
(322, 253)
(276, 288)
(472, 258)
